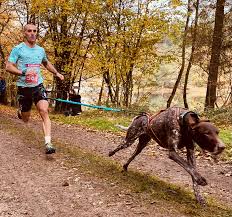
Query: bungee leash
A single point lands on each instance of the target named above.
(95, 106)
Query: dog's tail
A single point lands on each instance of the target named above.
(121, 127)
(126, 128)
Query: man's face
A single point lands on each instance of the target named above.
(30, 32)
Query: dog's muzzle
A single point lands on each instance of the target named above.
(219, 149)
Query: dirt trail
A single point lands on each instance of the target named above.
(35, 185)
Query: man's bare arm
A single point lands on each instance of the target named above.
(11, 67)
(53, 70)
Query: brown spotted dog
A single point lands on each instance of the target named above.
(175, 128)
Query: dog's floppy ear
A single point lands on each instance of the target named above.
(192, 119)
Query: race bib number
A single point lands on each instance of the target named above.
(31, 78)
(31, 74)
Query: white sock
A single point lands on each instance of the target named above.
(47, 139)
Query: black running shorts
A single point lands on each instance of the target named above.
(28, 95)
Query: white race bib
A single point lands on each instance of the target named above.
(31, 73)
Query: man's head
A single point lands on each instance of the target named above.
(30, 33)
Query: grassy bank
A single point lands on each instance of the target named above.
(106, 121)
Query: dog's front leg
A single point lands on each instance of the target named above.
(192, 161)
(189, 168)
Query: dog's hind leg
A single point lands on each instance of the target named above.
(132, 134)
(123, 145)
(143, 140)
(135, 130)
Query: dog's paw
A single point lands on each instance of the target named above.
(201, 180)
(201, 200)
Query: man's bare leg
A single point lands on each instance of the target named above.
(42, 107)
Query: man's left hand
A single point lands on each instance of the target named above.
(60, 76)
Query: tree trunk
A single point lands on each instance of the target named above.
(2, 59)
(210, 99)
(191, 56)
(183, 58)
(63, 87)
(81, 68)
(99, 102)
(128, 86)
(107, 79)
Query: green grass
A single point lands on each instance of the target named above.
(98, 120)
(226, 136)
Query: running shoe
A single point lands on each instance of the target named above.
(49, 148)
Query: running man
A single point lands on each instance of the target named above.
(25, 60)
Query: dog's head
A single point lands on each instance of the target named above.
(205, 134)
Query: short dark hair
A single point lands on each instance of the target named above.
(24, 28)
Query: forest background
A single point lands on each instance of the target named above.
(128, 53)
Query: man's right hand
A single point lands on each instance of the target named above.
(23, 72)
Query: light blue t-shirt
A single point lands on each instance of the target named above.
(28, 60)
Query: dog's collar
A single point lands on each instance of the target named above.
(182, 116)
